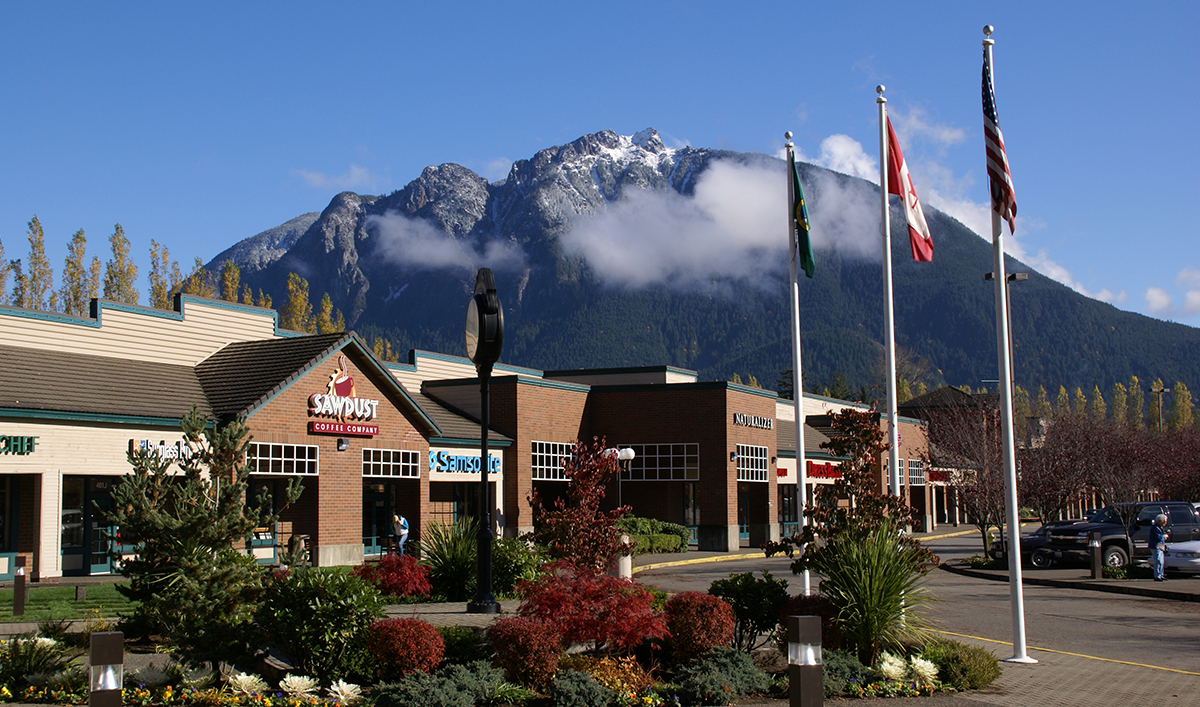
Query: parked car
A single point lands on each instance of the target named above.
(1071, 542)
(1033, 545)
(1183, 557)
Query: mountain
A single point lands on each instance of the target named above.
(402, 266)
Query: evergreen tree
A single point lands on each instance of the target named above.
(191, 578)
(80, 281)
(30, 289)
(1079, 403)
(1155, 411)
(165, 277)
(326, 322)
(297, 314)
(231, 277)
(120, 274)
(1041, 406)
(1134, 404)
(197, 282)
(1118, 412)
(1182, 416)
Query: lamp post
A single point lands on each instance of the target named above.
(1158, 389)
(484, 334)
(625, 455)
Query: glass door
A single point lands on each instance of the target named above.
(377, 519)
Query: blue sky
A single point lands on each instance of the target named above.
(201, 125)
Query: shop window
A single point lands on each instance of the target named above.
(663, 462)
(751, 463)
(548, 458)
(72, 512)
(787, 503)
(916, 472)
(297, 459)
(403, 463)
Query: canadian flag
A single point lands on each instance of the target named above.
(900, 184)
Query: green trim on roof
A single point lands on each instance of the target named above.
(521, 380)
(474, 443)
(89, 417)
(97, 306)
(626, 369)
(414, 354)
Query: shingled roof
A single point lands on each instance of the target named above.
(785, 439)
(453, 423)
(53, 381)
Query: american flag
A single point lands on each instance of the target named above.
(1004, 200)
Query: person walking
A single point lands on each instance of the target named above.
(399, 531)
(1158, 546)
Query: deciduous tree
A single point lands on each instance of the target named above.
(120, 274)
(1182, 416)
(231, 277)
(198, 282)
(165, 277)
(1135, 403)
(80, 280)
(34, 289)
(297, 314)
(1118, 412)
(5, 271)
(326, 322)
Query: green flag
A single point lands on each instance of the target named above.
(800, 216)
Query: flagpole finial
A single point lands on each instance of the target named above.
(880, 89)
(988, 29)
(788, 136)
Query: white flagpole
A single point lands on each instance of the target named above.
(1015, 590)
(797, 379)
(889, 324)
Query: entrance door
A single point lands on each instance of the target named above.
(743, 506)
(101, 536)
(88, 539)
(377, 519)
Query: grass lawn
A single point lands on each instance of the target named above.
(56, 603)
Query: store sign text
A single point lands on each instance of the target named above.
(763, 423)
(444, 461)
(350, 429)
(162, 450)
(17, 445)
(322, 405)
(823, 470)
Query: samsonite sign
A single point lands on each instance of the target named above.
(450, 464)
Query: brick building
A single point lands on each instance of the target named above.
(367, 438)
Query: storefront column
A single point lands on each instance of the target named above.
(717, 538)
(47, 556)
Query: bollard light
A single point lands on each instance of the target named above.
(805, 674)
(19, 591)
(1097, 555)
(107, 657)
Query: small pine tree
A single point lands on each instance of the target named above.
(191, 578)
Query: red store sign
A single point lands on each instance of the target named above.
(823, 470)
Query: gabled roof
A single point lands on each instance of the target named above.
(246, 375)
(947, 397)
(78, 384)
(785, 439)
(455, 425)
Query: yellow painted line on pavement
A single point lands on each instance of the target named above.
(1077, 655)
(700, 561)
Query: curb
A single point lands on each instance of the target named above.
(1079, 584)
(700, 561)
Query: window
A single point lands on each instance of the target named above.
(548, 458)
(916, 472)
(299, 459)
(403, 463)
(663, 462)
(751, 463)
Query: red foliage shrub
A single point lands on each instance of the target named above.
(403, 646)
(589, 607)
(698, 623)
(526, 649)
(397, 576)
(814, 605)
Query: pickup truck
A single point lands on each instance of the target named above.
(1071, 542)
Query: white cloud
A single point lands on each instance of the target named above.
(844, 154)
(497, 169)
(1191, 303)
(1158, 301)
(916, 124)
(419, 244)
(1189, 276)
(1106, 295)
(355, 178)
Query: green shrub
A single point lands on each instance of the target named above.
(320, 619)
(655, 543)
(636, 525)
(451, 686)
(514, 560)
(961, 666)
(685, 535)
(27, 655)
(448, 551)
(573, 688)
(839, 669)
(875, 585)
(720, 677)
(651, 535)
(755, 602)
(463, 644)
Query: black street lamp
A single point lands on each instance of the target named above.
(484, 332)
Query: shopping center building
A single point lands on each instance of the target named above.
(368, 438)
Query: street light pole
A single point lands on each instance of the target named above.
(1159, 389)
